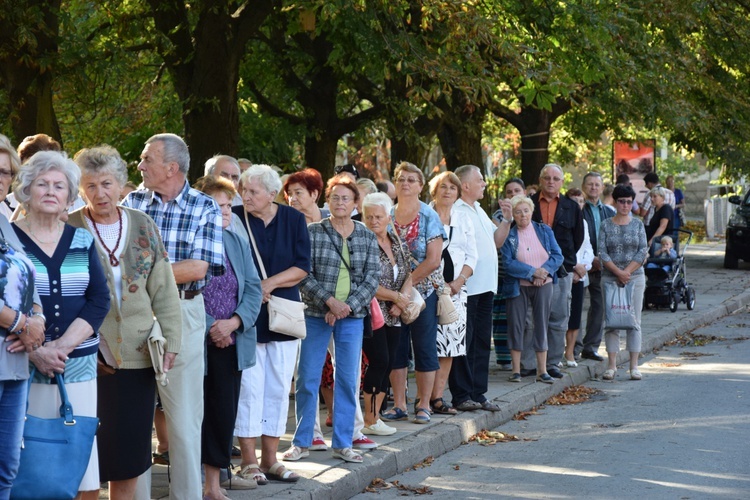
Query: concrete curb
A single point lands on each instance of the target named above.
(350, 479)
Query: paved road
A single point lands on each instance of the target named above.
(682, 432)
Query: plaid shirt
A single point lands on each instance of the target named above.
(320, 284)
(190, 227)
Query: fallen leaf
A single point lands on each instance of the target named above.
(695, 354)
(572, 395)
(522, 415)
(489, 438)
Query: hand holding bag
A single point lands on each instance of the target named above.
(284, 316)
(446, 309)
(618, 306)
(415, 307)
(55, 453)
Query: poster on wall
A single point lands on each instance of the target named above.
(635, 159)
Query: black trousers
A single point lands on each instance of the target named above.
(469, 374)
(221, 392)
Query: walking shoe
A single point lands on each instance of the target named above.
(545, 377)
(516, 377)
(318, 444)
(592, 355)
(235, 482)
(379, 428)
(364, 443)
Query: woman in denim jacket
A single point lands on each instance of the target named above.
(531, 257)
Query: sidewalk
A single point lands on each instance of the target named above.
(718, 292)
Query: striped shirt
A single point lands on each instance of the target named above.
(190, 227)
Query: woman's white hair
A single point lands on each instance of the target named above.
(521, 198)
(41, 163)
(377, 200)
(266, 175)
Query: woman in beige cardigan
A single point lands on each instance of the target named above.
(140, 280)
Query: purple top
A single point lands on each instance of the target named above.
(220, 294)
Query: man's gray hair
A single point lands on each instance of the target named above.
(210, 164)
(377, 200)
(465, 170)
(265, 174)
(41, 163)
(549, 166)
(175, 150)
(367, 185)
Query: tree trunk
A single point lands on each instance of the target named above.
(29, 86)
(320, 154)
(461, 133)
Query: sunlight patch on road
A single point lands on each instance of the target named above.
(546, 469)
(712, 490)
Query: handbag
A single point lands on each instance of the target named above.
(446, 309)
(376, 315)
(415, 307)
(284, 316)
(55, 452)
(619, 311)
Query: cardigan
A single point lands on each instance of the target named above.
(364, 261)
(249, 298)
(148, 286)
(516, 270)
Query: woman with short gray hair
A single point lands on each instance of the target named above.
(132, 254)
(73, 290)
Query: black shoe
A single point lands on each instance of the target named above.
(591, 355)
(554, 372)
(528, 373)
(236, 452)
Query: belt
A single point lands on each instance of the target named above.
(189, 294)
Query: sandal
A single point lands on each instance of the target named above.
(295, 453)
(278, 472)
(394, 414)
(253, 472)
(422, 419)
(347, 455)
(444, 408)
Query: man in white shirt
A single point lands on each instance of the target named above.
(469, 375)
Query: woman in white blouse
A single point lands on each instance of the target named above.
(584, 259)
(458, 260)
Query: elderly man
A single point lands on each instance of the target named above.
(244, 164)
(227, 167)
(594, 212)
(647, 209)
(469, 374)
(388, 188)
(565, 218)
(190, 225)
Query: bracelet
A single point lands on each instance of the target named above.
(39, 314)
(15, 323)
(464, 277)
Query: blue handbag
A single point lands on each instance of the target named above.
(55, 452)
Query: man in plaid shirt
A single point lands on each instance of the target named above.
(190, 226)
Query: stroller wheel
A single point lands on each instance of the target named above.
(674, 300)
(690, 296)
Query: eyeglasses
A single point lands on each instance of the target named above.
(624, 201)
(341, 199)
(408, 180)
(6, 173)
(555, 179)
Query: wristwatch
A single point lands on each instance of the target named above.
(40, 314)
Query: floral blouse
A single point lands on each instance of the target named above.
(387, 280)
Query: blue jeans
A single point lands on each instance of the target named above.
(347, 341)
(12, 411)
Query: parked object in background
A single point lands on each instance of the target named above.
(738, 233)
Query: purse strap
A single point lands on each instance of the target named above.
(66, 409)
(255, 247)
(336, 248)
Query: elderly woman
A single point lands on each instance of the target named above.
(531, 257)
(73, 289)
(419, 226)
(393, 295)
(132, 254)
(662, 221)
(623, 249)
(337, 292)
(278, 234)
(459, 258)
(512, 187)
(21, 328)
(302, 190)
(232, 305)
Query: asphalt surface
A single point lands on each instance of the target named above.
(719, 292)
(680, 432)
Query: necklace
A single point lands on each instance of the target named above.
(31, 232)
(112, 259)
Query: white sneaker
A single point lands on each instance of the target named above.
(379, 428)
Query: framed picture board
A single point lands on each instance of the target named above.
(636, 159)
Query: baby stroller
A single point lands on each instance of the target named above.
(666, 278)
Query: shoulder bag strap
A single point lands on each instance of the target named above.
(255, 247)
(336, 248)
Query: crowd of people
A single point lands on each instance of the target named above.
(91, 268)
